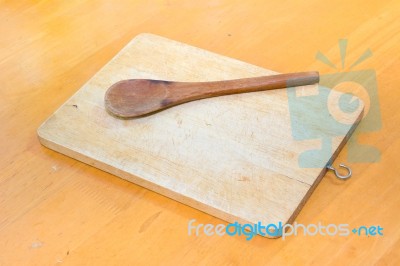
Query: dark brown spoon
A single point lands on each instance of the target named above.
(138, 97)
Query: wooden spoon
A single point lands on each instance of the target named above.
(138, 97)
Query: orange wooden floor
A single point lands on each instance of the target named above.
(56, 210)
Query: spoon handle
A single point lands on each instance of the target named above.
(189, 91)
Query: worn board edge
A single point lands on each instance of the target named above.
(167, 192)
(324, 170)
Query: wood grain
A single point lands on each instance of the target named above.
(217, 155)
(55, 209)
(138, 97)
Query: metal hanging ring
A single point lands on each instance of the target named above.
(338, 175)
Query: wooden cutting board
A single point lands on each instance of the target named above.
(245, 158)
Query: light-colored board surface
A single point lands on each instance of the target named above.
(235, 157)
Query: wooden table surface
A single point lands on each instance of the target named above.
(54, 209)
